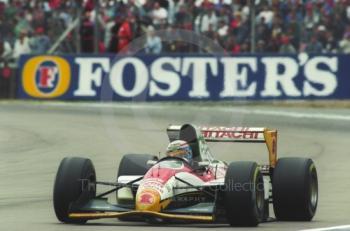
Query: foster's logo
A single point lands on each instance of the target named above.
(46, 77)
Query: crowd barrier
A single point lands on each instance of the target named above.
(184, 77)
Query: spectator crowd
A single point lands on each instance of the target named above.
(281, 26)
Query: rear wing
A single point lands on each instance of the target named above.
(235, 134)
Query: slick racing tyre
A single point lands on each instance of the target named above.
(134, 164)
(74, 180)
(244, 194)
(295, 189)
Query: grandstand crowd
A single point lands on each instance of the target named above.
(282, 26)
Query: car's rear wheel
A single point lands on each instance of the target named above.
(244, 194)
(74, 180)
(134, 164)
(295, 189)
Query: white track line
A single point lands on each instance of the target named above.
(341, 227)
(290, 114)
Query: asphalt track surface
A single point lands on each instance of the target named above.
(34, 137)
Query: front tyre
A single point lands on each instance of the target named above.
(244, 194)
(72, 182)
(295, 189)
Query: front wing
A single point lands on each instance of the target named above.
(99, 208)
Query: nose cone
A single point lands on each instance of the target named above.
(148, 200)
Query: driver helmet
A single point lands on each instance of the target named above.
(179, 148)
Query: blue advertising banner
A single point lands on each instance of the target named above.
(184, 77)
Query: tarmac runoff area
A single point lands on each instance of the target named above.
(34, 137)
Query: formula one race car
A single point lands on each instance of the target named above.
(173, 189)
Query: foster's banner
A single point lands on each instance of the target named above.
(180, 77)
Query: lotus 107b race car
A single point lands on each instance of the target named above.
(173, 189)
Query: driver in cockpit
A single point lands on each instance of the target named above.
(181, 149)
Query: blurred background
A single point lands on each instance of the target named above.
(108, 26)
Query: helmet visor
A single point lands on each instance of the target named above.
(176, 153)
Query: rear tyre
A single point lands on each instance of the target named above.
(244, 194)
(295, 189)
(134, 164)
(69, 186)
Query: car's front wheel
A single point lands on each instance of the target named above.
(244, 194)
(74, 180)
